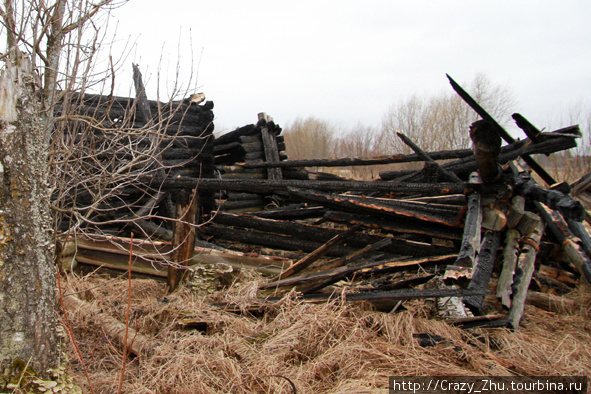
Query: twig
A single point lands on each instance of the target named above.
(125, 350)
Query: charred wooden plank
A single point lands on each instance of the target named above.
(482, 272)
(389, 267)
(401, 225)
(268, 186)
(230, 205)
(472, 229)
(392, 295)
(558, 228)
(317, 234)
(348, 270)
(510, 256)
(404, 294)
(141, 97)
(565, 204)
(270, 149)
(292, 212)
(152, 230)
(318, 253)
(153, 254)
(362, 270)
(233, 136)
(456, 199)
(581, 184)
(529, 129)
(402, 284)
(220, 149)
(580, 231)
(463, 167)
(449, 175)
(442, 214)
(523, 273)
(121, 262)
(253, 237)
(358, 161)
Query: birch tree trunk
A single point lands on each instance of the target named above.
(28, 319)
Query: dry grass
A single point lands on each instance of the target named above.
(325, 348)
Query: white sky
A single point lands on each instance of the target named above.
(348, 61)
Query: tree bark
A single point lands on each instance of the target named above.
(27, 273)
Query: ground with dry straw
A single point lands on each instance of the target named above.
(332, 347)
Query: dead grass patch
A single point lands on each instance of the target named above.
(333, 347)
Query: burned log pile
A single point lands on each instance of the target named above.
(462, 232)
(251, 143)
(113, 155)
(472, 229)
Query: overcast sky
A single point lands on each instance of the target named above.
(347, 61)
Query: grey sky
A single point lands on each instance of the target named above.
(348, 61)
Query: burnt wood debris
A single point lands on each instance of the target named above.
(471, 226)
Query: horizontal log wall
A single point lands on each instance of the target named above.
(109, 136)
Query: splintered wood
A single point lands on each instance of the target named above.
(468, 230)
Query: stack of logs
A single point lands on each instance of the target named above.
(254, 152)
(132, 146)
(249, 144)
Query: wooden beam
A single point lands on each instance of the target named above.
(472, 229)
(523, 273)
(402, 225)
(570, 208)
(467, 164)
(318, 253)
(482, 271)
(449, 175)
(449, 215)
(183, 240)
(371, 269)
(500, 130)
(270, 148)
(510, 256)
(487, 148)
(140, 94)
(558, 227)
(529, 129)
(348, 270)
(136, 342)
(265, 186)
(392, 295)
(361, 161)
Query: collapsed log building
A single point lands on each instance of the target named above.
(471, 225)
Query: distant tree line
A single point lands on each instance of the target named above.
(439, 122)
